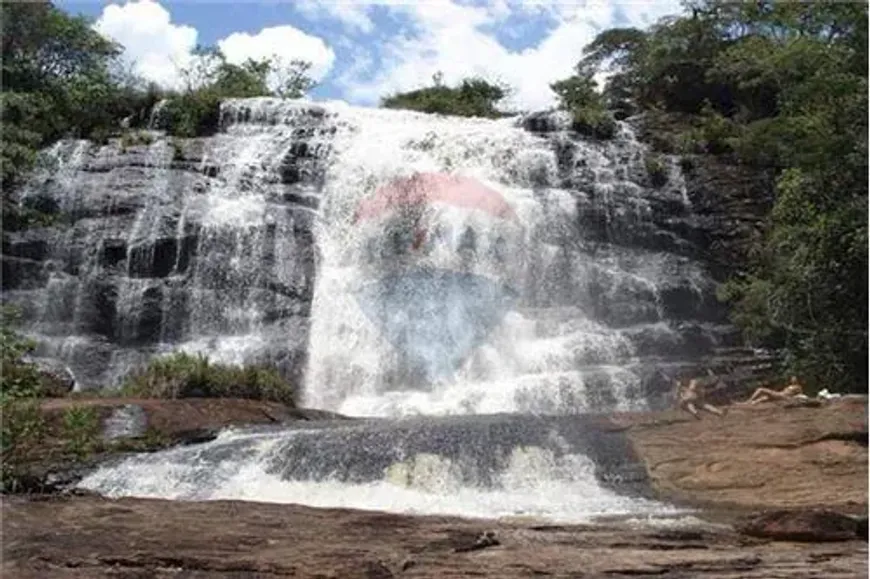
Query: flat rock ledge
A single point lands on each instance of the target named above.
(95, 538)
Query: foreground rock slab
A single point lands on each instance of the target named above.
(758, 457)
(94, 537)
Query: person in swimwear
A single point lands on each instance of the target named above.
(691, 397)
(760, 395)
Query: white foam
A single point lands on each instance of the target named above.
(535, 484)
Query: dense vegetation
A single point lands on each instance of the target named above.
(183, 375)
(60, 78)
(472, 97)
(779, 86)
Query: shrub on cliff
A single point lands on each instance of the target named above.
(472, 97)
(594, 122)
(210, 78)
(577, 94)
(182, 375)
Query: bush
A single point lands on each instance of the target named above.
(18, 379)
(594, 122)
(657, 170)
(81, 430)
(473, 97)
(182, 375)
(195, 114)
(22, 426)
(133, 138)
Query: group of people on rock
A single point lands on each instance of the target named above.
(691, 396)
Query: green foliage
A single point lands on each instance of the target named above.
(292, 79)
(578, 95)
(81, 430)
(657, 170)
(22, 431)
(21, 424)
(18, 379)
(473, 97)
(182, 375)
(210, 79)
(61, 78)
(132, 138)
(594, 122)
(577, 92)
(782, 86)
(177, 150)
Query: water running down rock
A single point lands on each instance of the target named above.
(572, 285)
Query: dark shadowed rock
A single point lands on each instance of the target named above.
(804, 525)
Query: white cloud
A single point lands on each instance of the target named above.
(351, 15)
(450, 38)
(155, 48)
(284, 42)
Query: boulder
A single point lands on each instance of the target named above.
(810, 525)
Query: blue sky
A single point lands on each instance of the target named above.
(363, 51)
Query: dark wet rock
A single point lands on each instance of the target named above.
(28, 244)
(546, 121)
(804, 525)
(22, 273)
(127, 421)
(482, 541)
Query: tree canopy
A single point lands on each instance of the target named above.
(61, 78)
(472, 97)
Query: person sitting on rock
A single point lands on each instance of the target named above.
(690, 397)
(793, 390)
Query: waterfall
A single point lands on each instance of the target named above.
(564, 338)
(467, 286)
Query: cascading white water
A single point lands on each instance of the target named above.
(534, 469)
(542, 354)
(537, 299)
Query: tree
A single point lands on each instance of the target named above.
(292, 79)
(57, 81)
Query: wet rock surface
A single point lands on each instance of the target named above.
(94, 537)
(127, 425)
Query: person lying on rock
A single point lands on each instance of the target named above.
(690, 397)
(792, 390)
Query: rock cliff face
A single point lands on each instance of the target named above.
(211, 244)
(156, 246)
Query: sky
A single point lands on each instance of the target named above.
(363, 51)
